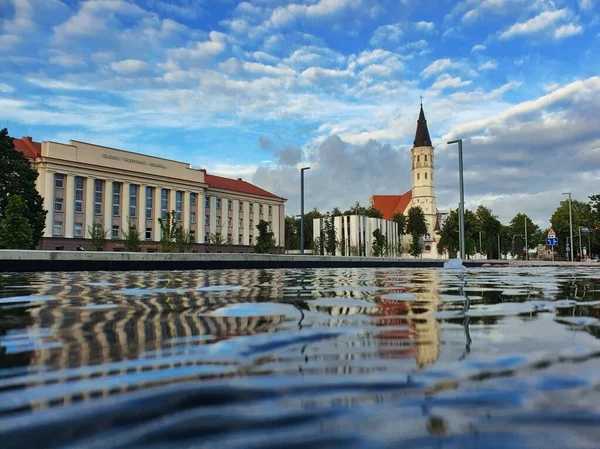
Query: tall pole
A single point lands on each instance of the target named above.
(499, 256)
(526, 248)
(580, 248)
(461, 212)
(589, 250)
(570, 222)
(302, 208)
(480, 253)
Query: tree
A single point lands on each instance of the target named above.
(357, 209)
(490, 227)
(17, 177)
(131, 239)
(216, 238)
(98, 235)
(292, 233)
(309, 238)
(183, 239)
(449, 239)
(15, 230)
(399, 218)
(379, 244)
(168, 232)
(517, 228)
(266, 238)
(416, 227)
(583, 215)
(330, 238)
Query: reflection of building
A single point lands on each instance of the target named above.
(83, 183)
(422, 193)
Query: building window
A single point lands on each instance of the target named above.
(58, 204)
(218, 203)
(250, 240)
(239, 240)
(178, 199)
(207, 220)
(229, 239)
(148, 233)
(57, 229)
(229, 221)
(250, 207)
(115, 232)
(116, 209)
(97, 197)
(240, 223)
(192, 217)
(59, 181)
(425, 158)
(418, 176)
(270, 211)
(425, 175)
(240, 204)
(218, 220)
(78, 230)
(133, 201)
(260, 208)
(164, 203)
(78, 195)
(206, 237)
(229, 205)
(192, 236)
(418, 158)
(207, 202)
(148, 203)
(193, 199)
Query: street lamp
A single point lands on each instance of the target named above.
(570, 222)
(461, 212)
(302, 208)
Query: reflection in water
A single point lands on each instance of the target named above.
(307, 358)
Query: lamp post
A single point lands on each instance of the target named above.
(526, 246)
(580, 247)
(570, 222)
(302, 208)
(461, 211)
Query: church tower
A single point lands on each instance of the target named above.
(423, 194)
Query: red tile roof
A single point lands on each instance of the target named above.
(388, 205)
(237, 185)
(28, 147)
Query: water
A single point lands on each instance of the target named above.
(328, 358)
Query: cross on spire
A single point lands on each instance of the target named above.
(421, 100)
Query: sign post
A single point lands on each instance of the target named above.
(552, 241)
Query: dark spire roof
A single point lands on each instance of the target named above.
(422, 138)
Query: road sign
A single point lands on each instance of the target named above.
(568, 247)
(585, 230)
(552, 241)
(551, 234)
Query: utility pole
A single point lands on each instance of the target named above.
(302, 208)
(526, 247)
(570, 222)
(461, 211)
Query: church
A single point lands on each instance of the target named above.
(422, 193)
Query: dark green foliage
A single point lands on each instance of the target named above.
(98, 235)
(173, 238)
(216, 238)
(15, 230)
(330, 238)
(292, 233)
(370, 211)
(132, 241)
(17, 177)
(417, 227)
(265, 242)
(399, 218)
(379, 244)
(490, 227)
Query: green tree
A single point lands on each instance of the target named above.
(98, 235)
(416, 226)
(379, 244)
(266, 238)
(292, 233)
(15, 230)
(183, 239)
(490, 228)
(370, 211)
(583, 215)
(309, 238)
(330, 237)
(449, 240)
(216, 238)
(169, 231)
(399, 218)
(131, 239)
(517, 228)
(17, 177)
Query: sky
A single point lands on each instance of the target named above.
(259, 89)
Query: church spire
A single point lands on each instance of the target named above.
(422, 138)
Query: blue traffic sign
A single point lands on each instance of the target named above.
(585, 230)
(552, 241)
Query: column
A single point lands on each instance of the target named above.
(107, 215)
(156, 214)
(68, 206)
(141, 216)
(200, 218)
(213, 214)
(185, 211)
(171, 200)
(235, 217)
(125, 207)
(265, 214)
(281, 221)
(275, 219)
(246, 225)
(89, 205)
(49, 203)
(255, 220)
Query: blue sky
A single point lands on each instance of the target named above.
(257, 89)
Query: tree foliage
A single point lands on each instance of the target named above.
(98, 235)
(15, 230)
(131, 239)
(490, 228)
(399, 218)
(416, 226)
(379, 243)
(173, 238)
(370, 211)
(330, 237)
(265, 241)
(17, 178)
(584, 215)
(292, 233)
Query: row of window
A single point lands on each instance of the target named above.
(419, 176)
(418, 158)
(133, 197)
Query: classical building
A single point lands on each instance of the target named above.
(422, 193)
(83, 183)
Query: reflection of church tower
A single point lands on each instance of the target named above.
(423, 194)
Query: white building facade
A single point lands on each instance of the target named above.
(83, 183)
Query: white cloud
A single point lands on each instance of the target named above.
(66, 60)
(543, 22)
(424, 26)
(6, 89)
(489, 65)
(487, 7)
(446, 81)
(586, 4)
(129, 66)
(283, 15)
(567, 30)
(478, 47)
(441, 65)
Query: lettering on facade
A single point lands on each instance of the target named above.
(133, 161)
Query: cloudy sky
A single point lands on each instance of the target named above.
(258, 89)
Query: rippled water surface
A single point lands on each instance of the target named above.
(327, 358)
